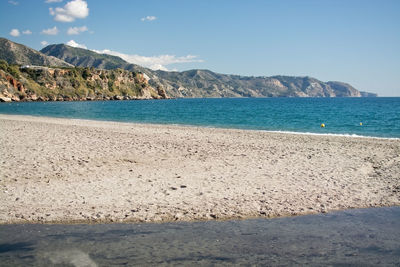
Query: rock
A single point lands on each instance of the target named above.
(214, 216)
(161, 92)
(178, 216)
(118, 97)
(33, 97)
(5, 99)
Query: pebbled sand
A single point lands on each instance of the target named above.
(64, 170)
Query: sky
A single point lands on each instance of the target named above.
(353, 41)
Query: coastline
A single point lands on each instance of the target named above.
(56, 170)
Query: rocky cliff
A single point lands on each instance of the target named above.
(34, 83)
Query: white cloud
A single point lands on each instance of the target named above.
(148, 18)
(155, 62)
(13, 2)
(15, 32)
(75, 44)
(44, 43)
(27, 32)
(51, 31)
(76, 30)
(75, 9)
(53, 1)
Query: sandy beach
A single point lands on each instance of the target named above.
(70, 171)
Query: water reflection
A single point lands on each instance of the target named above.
(357, 237)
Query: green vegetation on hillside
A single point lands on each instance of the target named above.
(43, 83)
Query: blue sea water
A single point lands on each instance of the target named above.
(380, 117)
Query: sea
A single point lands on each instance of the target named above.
(376, 117)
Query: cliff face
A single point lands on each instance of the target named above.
(205, 83)
(67, 84)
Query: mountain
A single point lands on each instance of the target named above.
(200, 83)
(87, 58)
(15, 53)
(205, 83)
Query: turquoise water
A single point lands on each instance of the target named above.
(380, 117)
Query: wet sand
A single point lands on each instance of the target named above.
(65, 170)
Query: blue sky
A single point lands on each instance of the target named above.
(357, 42)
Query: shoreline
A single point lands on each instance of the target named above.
(227, 219)
(87, 171)
(28, 117)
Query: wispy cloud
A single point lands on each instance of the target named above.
(155, 62)
(75, 44)
(15, 3)
(76, 9)
(53, 1)
(50, 31)
(15, 32)
(44, 43)
(27, 32)
(148, 18)
(77, 30)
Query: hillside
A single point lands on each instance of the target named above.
(18, 83)
(205, 83)
(15, 53)
(87, 58)
(200, 83)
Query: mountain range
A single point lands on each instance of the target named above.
(205, 83)
(191, 83)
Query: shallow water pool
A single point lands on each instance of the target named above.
(366, 237)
